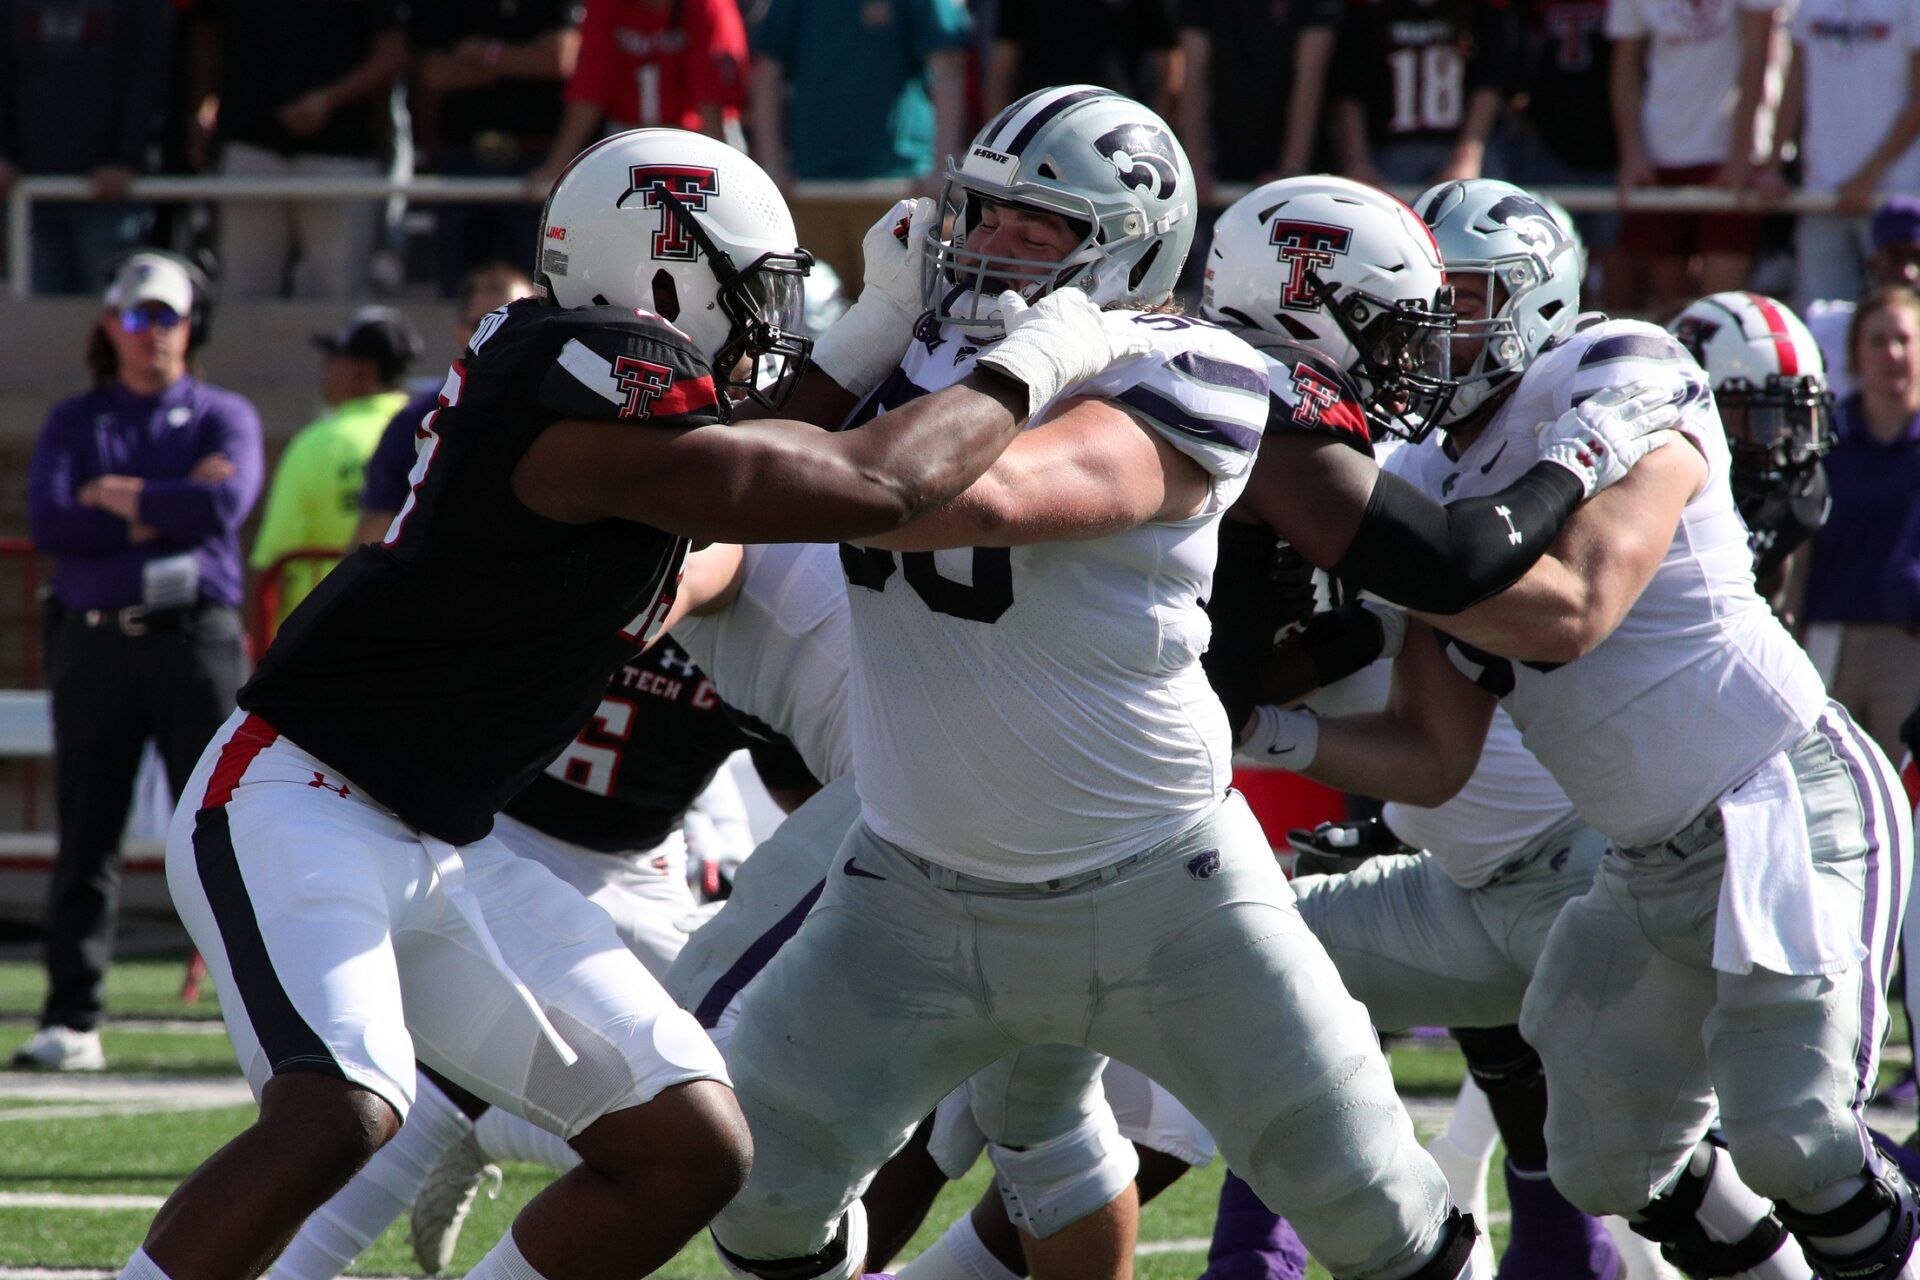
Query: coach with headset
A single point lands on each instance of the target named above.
(138, 488)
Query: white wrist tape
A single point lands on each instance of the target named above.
(1393, 623)
(865, 344)
(1281, 739)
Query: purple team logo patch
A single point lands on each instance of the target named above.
(1201, 866)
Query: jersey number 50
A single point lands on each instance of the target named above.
(989, 595)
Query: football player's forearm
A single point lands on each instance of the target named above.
(1381, 756)
(928, 451)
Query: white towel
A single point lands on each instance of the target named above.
(1774, 912)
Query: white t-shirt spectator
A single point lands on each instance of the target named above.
(1693, 74)
(1856, 55)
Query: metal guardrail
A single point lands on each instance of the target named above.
(436, 190)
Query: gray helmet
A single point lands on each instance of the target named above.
(1533, 268)
(1105, 163)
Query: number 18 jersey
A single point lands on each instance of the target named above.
(1027, 713)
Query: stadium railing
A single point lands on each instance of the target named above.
(430, 189)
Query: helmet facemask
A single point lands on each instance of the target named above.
(1504, 350)
(962, 287)
(764, 304)
(1776, 433)
(1403, 359)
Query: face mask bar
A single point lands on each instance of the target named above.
(962, 287)
(1405, 362)
(1501, 350)
(1775, 431)
(763, 306)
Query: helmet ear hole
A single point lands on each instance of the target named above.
(1141, 267)
(666, 295)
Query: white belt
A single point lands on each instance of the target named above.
(453, 875)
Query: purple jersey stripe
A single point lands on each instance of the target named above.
(1230, 435)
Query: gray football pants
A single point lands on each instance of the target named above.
(1419, 950)
(1639, 1032)
(1190, 963)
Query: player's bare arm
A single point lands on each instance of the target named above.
(1090, 471)
(1575, 596)
(1424, 746)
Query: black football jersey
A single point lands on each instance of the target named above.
(1308, 392)
(441, 671)
(1414, 64)
(650, 748)
(1780, 521)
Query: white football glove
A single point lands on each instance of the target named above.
(1600, 438)
(1060, 340)
(1393, 626)
(865, 344)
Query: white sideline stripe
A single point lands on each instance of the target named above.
(91, 1111)
(55, 1200)
(141, 1026)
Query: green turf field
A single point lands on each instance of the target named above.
(125, 1147)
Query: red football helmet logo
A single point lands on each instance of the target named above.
(1304, 245)
(689, 184)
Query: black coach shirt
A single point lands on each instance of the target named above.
(442, 670)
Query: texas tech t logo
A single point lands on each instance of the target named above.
(1317, 392)
(690, 184)
(1305, 245)
(644, 382)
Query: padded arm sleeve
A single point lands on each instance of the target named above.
(1441, 559)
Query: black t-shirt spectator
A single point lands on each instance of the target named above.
(1413, 66)
(274, 51)
(1567, 58)
(522, 109)
(82, 85)
(1251, 46)
(1112, 39)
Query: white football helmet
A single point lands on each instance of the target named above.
(686, 227)
(1769, 383)
(1532, 268)
(1347, 270)
(1108, 165)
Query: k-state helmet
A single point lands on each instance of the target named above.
(686, 227)
(1347, 270)
(1769, 383)
(1109, 166)
(1531, 268)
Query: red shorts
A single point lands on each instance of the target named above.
(1681, 235)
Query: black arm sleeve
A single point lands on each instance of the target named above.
(1441, 559)
(1247, 612)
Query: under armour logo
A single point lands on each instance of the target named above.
(320, 780)
(1514, 536)
(673, 660)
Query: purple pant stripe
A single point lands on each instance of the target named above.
(1832, 727)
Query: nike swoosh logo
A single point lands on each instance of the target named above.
(1280, 751)
(852, 870)
(1495, 458)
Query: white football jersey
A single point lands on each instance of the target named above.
(1699, 683)
(1031, 712)
(779, 651)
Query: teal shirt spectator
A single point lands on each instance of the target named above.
(858, 101)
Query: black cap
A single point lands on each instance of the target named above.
(380, 334)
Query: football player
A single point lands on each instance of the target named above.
(333, 855)
(1048, 851)
(1758, 864)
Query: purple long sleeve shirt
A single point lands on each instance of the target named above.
(112, 431)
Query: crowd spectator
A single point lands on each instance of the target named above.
(1854, 91)
(1694, 88)
(679, 63)
(1557, 137)
(314, 500)
(855, 89)
(488, 104)
(1894, 234)
(384, 488)
(138, 488)
(1255, 81)
(1129, 46)
(1419, 87)
(83, 90)
(1874, 471)
(296, 87)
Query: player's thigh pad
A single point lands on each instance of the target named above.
(1615, 1020)
(470, 1023)
(1214, 986)
(870, 1015)
(1410, 946)
(772, 894)
(292, 891)
(1151, 1116)
(645, 892)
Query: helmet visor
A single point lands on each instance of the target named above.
(1775, 431)
(766, 303)
(1405, 361)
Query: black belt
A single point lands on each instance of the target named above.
(137, 620)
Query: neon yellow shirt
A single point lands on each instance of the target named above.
(314, 502)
